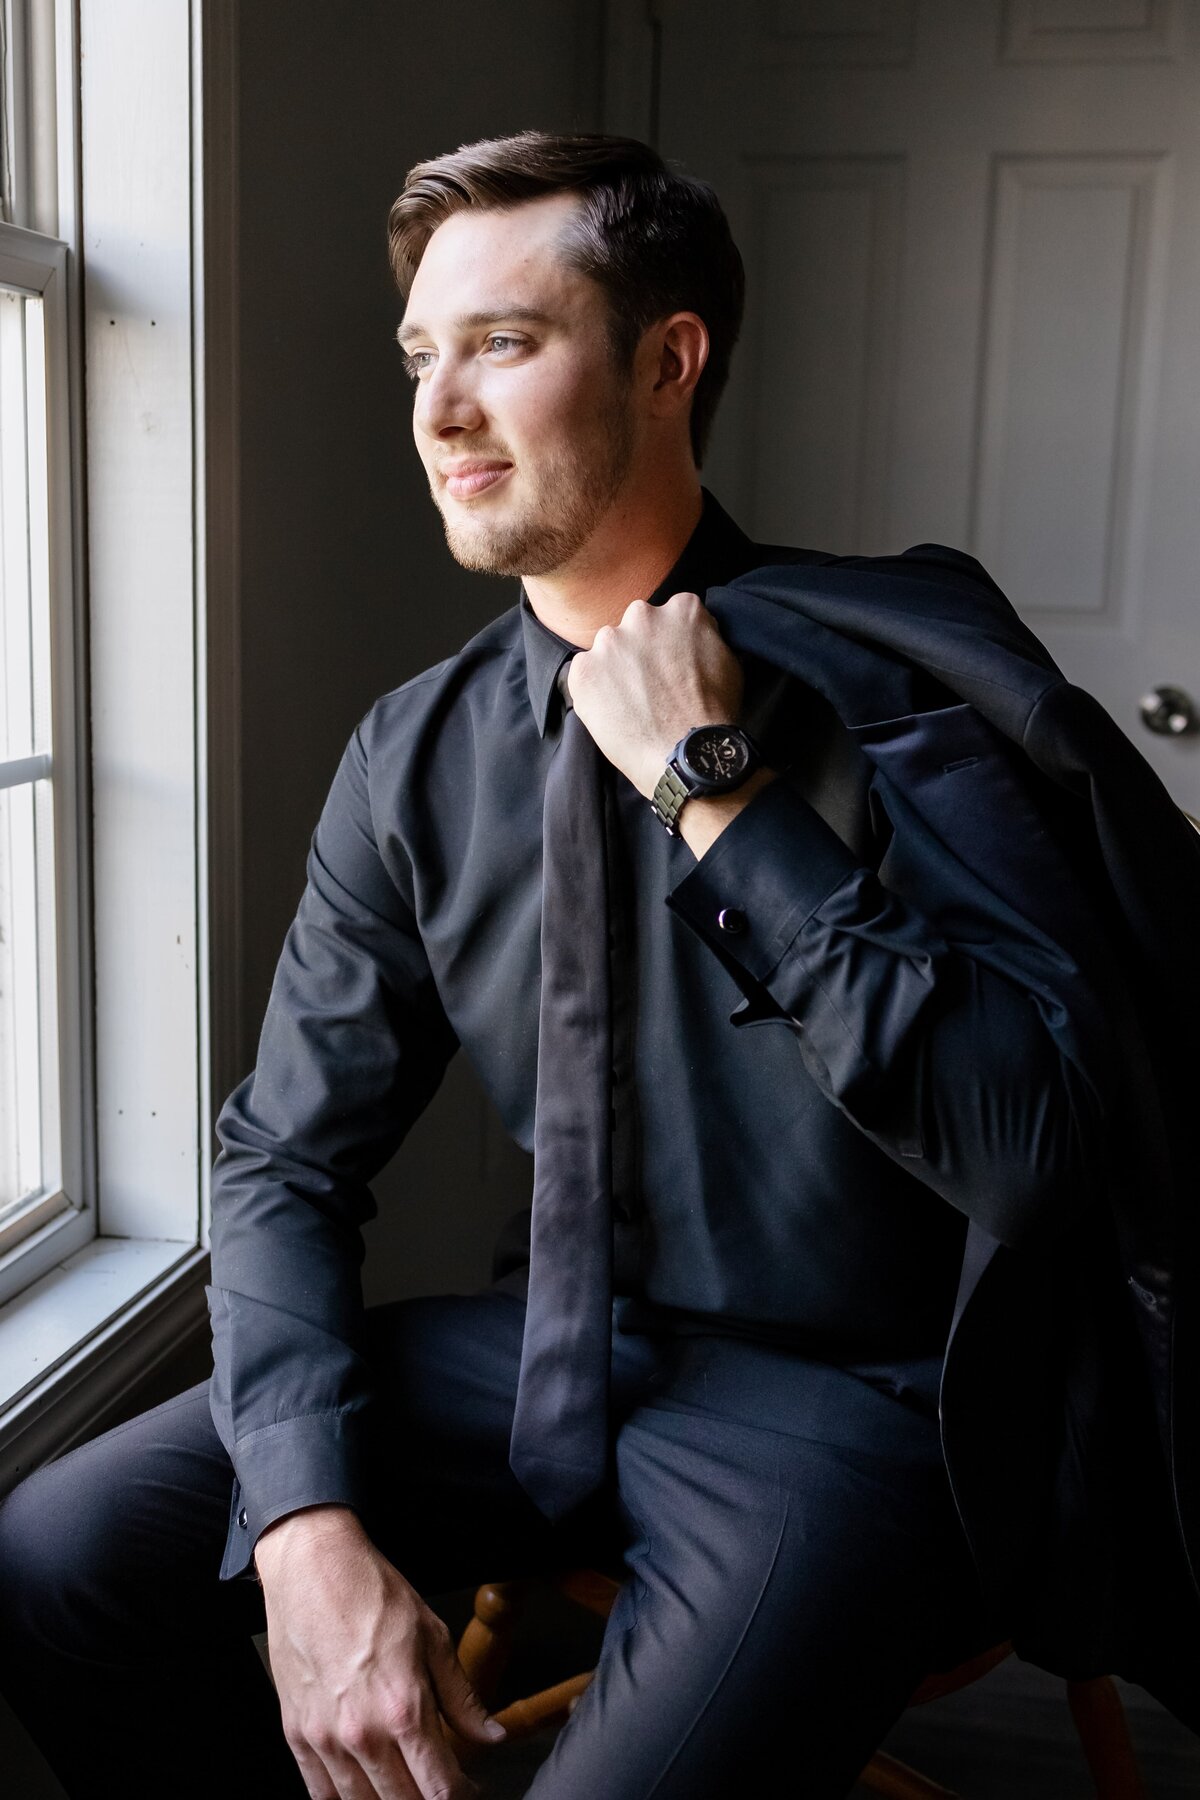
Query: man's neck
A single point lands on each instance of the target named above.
(625, 560)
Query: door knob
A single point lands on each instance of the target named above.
(1168, 710)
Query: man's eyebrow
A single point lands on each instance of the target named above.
(406, 331)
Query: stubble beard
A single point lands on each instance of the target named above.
(572, 491)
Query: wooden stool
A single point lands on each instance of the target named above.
(486, 1645)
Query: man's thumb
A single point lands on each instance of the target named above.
(461, 1706)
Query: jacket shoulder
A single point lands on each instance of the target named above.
(929, 561)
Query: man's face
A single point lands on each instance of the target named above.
(523, 422)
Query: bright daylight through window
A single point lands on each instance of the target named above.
(30, 1149)
(43, 1216)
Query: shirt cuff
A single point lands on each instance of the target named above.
(318, 1459)
(762, 879)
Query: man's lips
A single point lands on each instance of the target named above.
(472, 478)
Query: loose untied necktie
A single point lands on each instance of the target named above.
(559, 1445)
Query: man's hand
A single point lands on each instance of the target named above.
(647, 680)
(364, 1671)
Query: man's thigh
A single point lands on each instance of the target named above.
(787, 1594)
(446, 1507)
(112, 1610)
(140, 1513)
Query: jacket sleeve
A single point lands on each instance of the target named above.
(960, 1030)
(354, 1043)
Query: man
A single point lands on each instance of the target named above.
(789, 1203)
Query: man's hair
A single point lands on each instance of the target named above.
(657, 242)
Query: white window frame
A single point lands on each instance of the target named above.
(63, 1218)
(124, 197)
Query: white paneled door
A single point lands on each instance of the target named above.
(972, 239)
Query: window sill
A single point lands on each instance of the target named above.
(85, 1333)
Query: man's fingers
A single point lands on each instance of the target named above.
(318, 1779)
(405, 1754)
(461, 1706)
(346, 1774)
(434, 1767)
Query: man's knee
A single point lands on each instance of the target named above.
(58, 1537)
(80, 1536)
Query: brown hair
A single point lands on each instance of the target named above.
(656, 241)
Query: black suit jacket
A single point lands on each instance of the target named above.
(1068, 1397)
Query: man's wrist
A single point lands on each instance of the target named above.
(703, 817)
(653, 757)
(305, 1525)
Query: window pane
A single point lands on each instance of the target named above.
(20, 1050)
(24, 562)
(30, 1160)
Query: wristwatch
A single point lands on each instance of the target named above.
(708, 759)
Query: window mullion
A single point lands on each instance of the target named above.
(19, 769)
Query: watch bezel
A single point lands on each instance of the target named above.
(700, 783)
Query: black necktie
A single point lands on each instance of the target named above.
(559, 1444)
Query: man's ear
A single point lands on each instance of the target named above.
(676, 350)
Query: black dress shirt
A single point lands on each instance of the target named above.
(745, 1201)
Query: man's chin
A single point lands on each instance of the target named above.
(483, 552)
(523, 549)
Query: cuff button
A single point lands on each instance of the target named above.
(242, 1518)
(730, 919)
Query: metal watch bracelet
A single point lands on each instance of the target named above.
(668, 797)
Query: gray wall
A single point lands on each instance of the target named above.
(347, 586)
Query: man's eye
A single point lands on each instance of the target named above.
(499, 337)
(414, 363)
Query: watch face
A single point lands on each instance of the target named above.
(716, 753)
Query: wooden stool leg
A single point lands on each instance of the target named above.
(886, 1775)
(552, 1706)
(486, 1644)
(1104, 1734)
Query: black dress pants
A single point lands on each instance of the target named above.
(796, 1567)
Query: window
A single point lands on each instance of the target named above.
(106, 801)
(40, 1001)
(44, 1023)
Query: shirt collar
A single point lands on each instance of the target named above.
(716, 551)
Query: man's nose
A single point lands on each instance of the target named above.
(446, 402)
